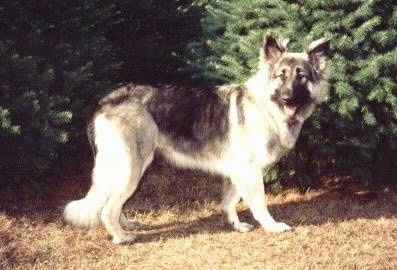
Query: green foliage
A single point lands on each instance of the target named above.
(355, 133)
(54, 59)
(58, 57)
(152, 37)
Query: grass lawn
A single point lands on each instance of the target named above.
(182, 228)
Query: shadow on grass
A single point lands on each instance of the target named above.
(328, 207)
(165, 187)
(187, 191)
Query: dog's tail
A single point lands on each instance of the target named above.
(85, 213)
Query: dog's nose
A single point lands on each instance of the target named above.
(286, 97)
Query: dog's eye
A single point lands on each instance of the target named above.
(281, 74)
(302, 78)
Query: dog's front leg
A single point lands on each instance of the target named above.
(230, 200)
(249, 184)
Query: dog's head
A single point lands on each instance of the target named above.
(297, 81)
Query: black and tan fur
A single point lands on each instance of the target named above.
(237, 131)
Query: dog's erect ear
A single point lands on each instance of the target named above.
(273, 48)
(318, 52)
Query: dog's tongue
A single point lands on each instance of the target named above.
(290, 110)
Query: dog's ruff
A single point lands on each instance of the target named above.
(237, 131)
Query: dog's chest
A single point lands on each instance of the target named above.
(258, 139)
(265, 146)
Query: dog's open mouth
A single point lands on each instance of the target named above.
(292, 105)
(291, 108)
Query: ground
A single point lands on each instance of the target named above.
(182, 227)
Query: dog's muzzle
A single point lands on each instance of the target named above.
(290, 105)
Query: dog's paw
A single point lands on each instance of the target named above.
(127, 224)
(277, 227)
(242, 227)
(131, 225)
(124, 239)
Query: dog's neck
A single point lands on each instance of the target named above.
(256, 85)
(288, 129)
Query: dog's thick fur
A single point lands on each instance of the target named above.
(237, 131)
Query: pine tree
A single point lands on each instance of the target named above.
(54, 56)
(152, 37)
(58, 58)
(355, 133)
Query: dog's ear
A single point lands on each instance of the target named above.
(318, 53)
(272, 48)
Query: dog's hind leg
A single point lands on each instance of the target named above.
(127, 224)
(230, 200)
(112, 217)
(249, 184)
(133, 225)
(119, 165)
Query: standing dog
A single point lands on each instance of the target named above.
(237, 131)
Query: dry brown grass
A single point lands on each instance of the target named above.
(183, 229)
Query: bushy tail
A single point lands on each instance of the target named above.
(85, 213)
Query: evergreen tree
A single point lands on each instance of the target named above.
(355, 133)
(152, 37)
(54, 60)
(57, 58)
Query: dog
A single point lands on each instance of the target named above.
(236, 131)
